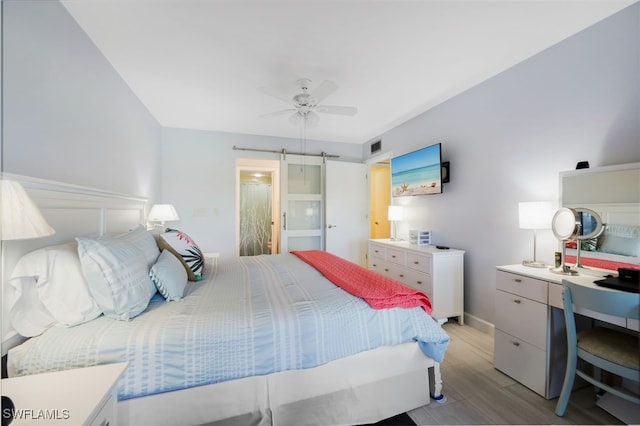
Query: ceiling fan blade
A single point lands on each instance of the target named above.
(323, 90)
(277, 113)
(336, 109)
(270, 92)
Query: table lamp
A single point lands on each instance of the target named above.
(394, 214)
(535, 215)
(20, 219)
(162, 213)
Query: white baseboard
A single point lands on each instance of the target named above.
(479, 324)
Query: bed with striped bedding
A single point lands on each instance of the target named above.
(250, 316)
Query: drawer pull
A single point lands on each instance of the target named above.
(416, 262)
(516, 343)
(517, 301)
(393, 255)
(377, 251)
(419, 282)
(401, 275)
(386, 269)
(375, 265)
(518, 280)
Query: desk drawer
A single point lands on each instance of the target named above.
(530, 288)
(520, 360)
(522, 317)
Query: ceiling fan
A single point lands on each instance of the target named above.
(306, 105)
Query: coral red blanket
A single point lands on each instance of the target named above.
(379, 291)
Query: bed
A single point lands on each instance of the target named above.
(258, 340)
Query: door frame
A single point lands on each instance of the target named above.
(261, 165)
(370, 163)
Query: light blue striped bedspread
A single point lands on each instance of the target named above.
(251, 316)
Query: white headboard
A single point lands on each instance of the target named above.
(72, 211)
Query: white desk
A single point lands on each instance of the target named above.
(530, 336)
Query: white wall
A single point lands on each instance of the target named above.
(67, 114)
(199, 172)
(508, 138)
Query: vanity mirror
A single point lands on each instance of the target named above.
(606, 202)
(575, 224)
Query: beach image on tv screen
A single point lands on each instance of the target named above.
(417, 173)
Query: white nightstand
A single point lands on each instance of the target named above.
(84, 396)
(213, 256)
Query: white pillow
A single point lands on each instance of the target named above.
(29, 317)
(143, 240)
(116, 273)
(169, 276)
(60, 283)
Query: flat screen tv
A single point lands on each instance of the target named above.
(417, 173)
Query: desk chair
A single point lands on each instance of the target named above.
(603, 348)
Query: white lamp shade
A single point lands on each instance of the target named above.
(20, 218)
(536, 214)
(395, 213)
(163, 213)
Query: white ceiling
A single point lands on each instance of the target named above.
(199, 63)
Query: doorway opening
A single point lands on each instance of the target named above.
(257, 207)
(379, 196)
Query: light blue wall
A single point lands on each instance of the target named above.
(508, 138)
(67, 114)
(199, 172)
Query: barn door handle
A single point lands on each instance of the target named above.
(284, 221)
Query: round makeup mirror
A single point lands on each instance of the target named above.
(591, 225)
(566, 224)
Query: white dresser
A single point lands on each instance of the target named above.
(436, 272)
(530, 336)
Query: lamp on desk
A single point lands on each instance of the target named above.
(394, 214)
(162, 213)
(20, 219)
(535, 215)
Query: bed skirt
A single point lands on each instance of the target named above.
(362, 388)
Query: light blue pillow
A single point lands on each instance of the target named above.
(117, 277)
(142, 239)
(169, 276)
(621, 239)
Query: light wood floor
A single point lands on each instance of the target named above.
(477, 393)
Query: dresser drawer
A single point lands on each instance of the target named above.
(396, 256)
(419, 262)
(418, 280)
(376, 250)
(530, 288)
(520, 360)
(521, 317)
(378, 265)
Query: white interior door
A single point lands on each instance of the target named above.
(347, 222)
(302, 206)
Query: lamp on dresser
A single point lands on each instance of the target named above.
(535, 215)
(394, 215)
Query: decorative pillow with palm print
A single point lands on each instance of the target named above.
(185, 249)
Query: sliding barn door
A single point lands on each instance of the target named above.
(302, 203)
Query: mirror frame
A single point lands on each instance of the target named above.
(600, 226)
(561, 222)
